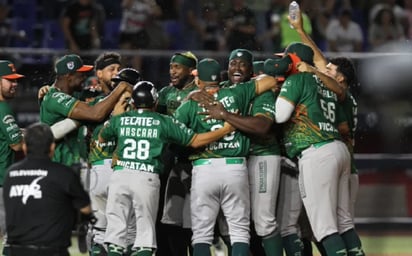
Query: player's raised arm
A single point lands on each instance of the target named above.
(264, 83)
(318, 58)
(98, 112)
(327, 80)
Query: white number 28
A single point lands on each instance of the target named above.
(136, 149)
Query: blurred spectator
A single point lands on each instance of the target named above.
(343, 34)
(240, 25)
(113, 9)
(259, 8)
(320, 12)
(169, 9)
(7, 33)
(280, 9)
(385, 29)
(50, 7)
(190, 13)
(408, 17)
(134, 34)
(398, 10)
(288, 34)
(271, 39)
(82, 23)
(212, 30)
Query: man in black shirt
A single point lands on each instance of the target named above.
(41, 198)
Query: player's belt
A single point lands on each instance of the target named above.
(320, 144)
(232, 160)
(102, 162)
(316, 145)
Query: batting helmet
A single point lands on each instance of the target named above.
(130, 75)
(144, 94)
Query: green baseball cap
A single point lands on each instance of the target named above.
(279, 67)
(243, 54)
(258, 67)
(209, 70)
(8, 71)
(303, 51)
(71, 63)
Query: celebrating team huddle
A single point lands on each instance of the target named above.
(262, 161)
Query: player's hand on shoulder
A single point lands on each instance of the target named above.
(305, 67)
(42, 91)
(200, 96)
(214, 110)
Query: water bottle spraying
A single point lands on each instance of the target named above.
(293, 12)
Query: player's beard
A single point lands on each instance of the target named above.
(9, 94)
(184, 81)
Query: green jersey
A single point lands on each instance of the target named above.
(234, 99)
(316, 115)
(141, 136)
(264, 105)
(10, 134)
(226, 84)
(170, 97)
(55, 107)
(350, 108)
(99, 151)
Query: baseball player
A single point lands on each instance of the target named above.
(342, 71)
(219, 176)
(141, 135)
(10, 133)
(323, 159)
(100, 157)
(175, 221)
(58, 104)
(290, 204)
(240, 69)
(107, 72)
(263, 166)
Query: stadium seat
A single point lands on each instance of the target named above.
(24, 9)
(111, 34)
(173, 31)
(53, 35)
(19, 25)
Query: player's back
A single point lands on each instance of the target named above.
(316, 115)
(141, 135)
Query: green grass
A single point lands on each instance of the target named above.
(387, 244)
(372, 244)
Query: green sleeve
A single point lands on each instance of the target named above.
(163, 96)
(56, 106)
(9, 129)
(244, 92)
(108, 131)
(292, 89)
(183, 112)
(177, 132)
(264, 104)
